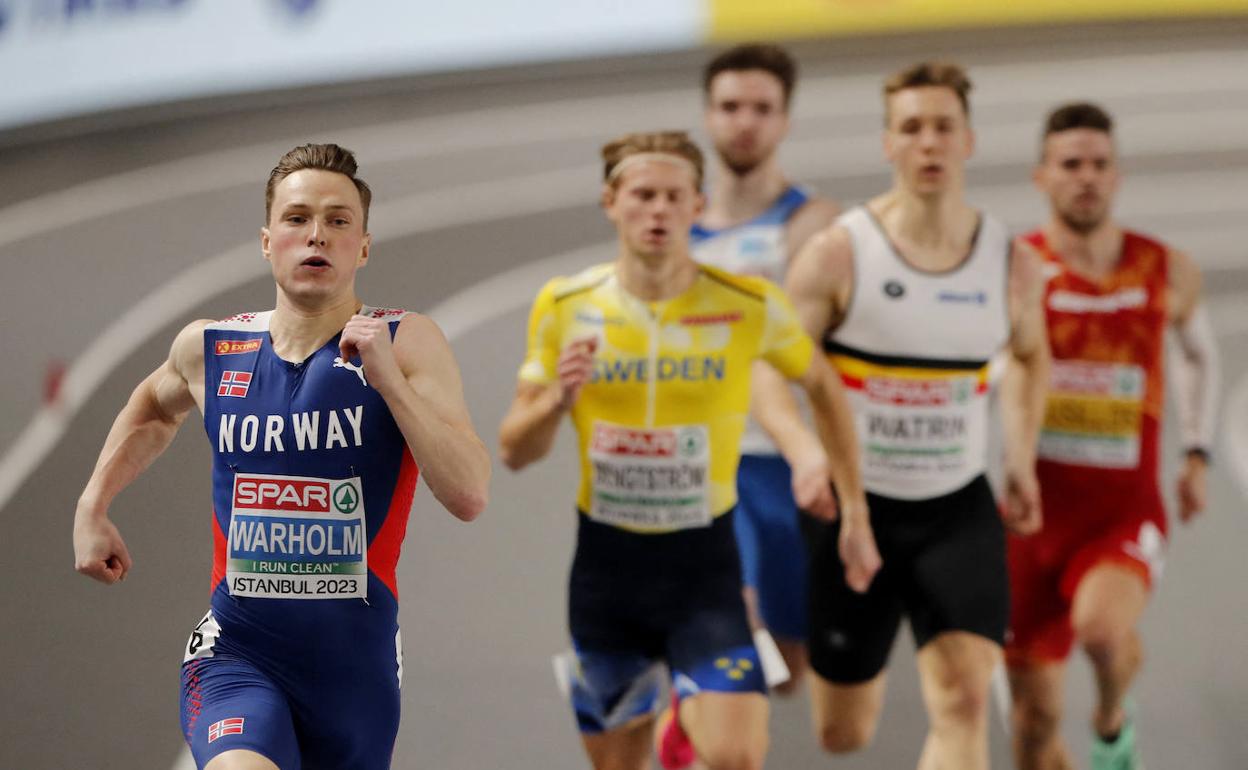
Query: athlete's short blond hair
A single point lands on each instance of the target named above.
(938, 74)
(675, 143)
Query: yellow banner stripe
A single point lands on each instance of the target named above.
(752, 20)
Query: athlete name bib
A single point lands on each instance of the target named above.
(650, 478)
(1094, 414)
(297, 537)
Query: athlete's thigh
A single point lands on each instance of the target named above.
(240, 759)
(1111, 596)
(958, 579)
(347, 716)
(849, 635)
(846, 715)
(610, 690)
(625, 747)
(1039, 628)
(229, 704)
(773, 555)
(727, 724)
(710, 648)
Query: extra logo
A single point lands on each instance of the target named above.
(234, 384)
(233, 726)
(234, 347)
(346, 499)
(359, 370)
(894, 289)
(275, 493)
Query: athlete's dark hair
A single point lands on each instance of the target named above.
(1078, 115)
(941, 74)
(322, 157)
(754, 56)
(675, 143)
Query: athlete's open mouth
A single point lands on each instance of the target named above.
(658, 232)
(315, 262)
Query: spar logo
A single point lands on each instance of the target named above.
(346, 499)
(907, 392)
(637, 443)
(234, 347)
(284, 494)
(691, 442)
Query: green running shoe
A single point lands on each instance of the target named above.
(1119, 755)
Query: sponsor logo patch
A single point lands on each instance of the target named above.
(234, 347)
(714, 318)
(232, 726)
(234, 384)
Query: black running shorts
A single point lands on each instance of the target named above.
(944, 567)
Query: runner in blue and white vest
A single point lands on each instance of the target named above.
(755, 219)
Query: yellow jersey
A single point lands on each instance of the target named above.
(659, 422)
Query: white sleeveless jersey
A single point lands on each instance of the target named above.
(757, 247)
(914, 352)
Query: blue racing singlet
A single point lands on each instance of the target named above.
(312, 484)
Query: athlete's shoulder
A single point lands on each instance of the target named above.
(752, 286)
(563, 287)
(242, 322)
(387, 314)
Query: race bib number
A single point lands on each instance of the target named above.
(296, 537)
(918, 428)
(1093, 415)
(650, 478)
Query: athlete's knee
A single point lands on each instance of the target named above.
(1035, 722)
(844, 736)
(963, 700)
(734, 753)
(1103, 640)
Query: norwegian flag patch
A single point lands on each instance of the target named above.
(234, 384)
(233, 726)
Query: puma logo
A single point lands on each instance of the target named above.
(359, 370)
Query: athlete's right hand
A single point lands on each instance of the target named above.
(576, 363)
(812, 488)
(858, 552)
(99, 551)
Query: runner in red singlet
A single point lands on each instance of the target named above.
(1086, 576)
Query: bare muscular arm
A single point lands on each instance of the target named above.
(141, 432)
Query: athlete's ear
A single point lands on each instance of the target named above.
(886, 144)
(265, 244)
(970, 141)
(608, 198)
(364, 250)
(699, 205)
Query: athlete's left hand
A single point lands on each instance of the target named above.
(1193, 489)
(812, 488)
(369, 338)
(1022, 501)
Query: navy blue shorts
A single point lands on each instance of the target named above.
(637, 600)
(773, 552)
(304, 714)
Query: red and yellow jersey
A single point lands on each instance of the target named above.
(1103, 415)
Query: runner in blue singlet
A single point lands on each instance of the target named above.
(319, 413)
(754, 220)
